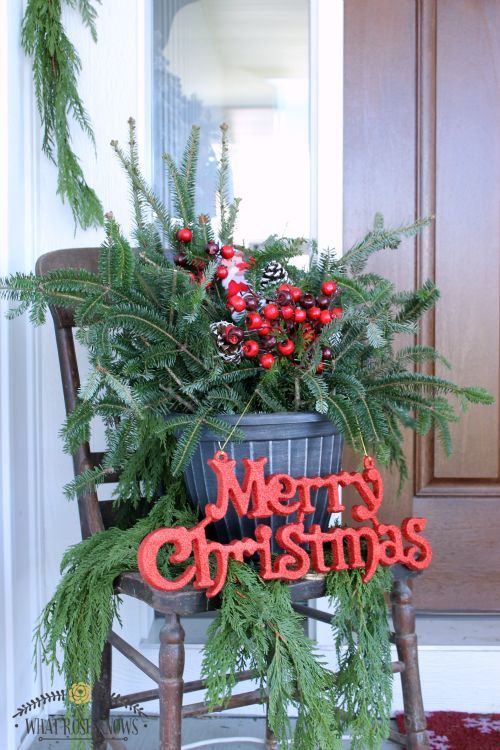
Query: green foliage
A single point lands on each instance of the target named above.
(256, 628)
(146, 326)
(360, 632)
(80, 614)
(56, 67)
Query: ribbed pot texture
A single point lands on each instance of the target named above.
(295, 443)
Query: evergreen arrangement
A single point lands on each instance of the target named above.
(183, 326)
(56, 67)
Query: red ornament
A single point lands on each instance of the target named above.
(314, 313)
(227, 252)
(237, 303)
(253, 321)
(287, 312)
(184, 235)
(300, 315)
(265, 330)
(270, 311)
(250, 348)
(325, 317)
(329, 288)
(267, 361)
(296, 293)
(222, 272)
(336, 312)
(286, 347)
(261, 497)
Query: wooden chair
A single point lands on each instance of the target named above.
(96, 516)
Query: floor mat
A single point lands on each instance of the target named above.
(451, 730)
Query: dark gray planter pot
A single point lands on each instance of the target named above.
(295, 443)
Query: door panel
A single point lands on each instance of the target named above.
(422, 111)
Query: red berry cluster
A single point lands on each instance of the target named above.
(212, 249)
(281, 319)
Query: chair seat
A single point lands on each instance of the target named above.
(189, 600)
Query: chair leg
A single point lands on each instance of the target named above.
(271, 741)
(403, 617)
(171, 682)
(101, 700)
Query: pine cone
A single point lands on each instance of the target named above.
(273, 273)
(228, 352)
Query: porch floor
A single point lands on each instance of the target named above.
(230, 730)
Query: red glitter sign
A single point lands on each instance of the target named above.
(260, 497)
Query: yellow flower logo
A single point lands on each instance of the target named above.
(80, 693)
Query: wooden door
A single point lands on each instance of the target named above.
(422, 137)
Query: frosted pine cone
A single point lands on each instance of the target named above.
(273, 273)
(228, 352)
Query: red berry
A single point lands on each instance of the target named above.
(264, 331)
(267, 361)
(336, 312)
(227, 252)
(238, 303)
(320, 368)
(180, 259)
(326, 353)
(287, 312)
(252, 302)
(192, 276)
(271, 311)
(221, 272)
(283, 297)
(300, 315)
(253, 321)
(268, 343)
(250, 348)
(323, 301)
(284, 288)
(233, 335)
(286, 347)
(184, 235)
(314, 313)
(307, 300)
(296, 293)
(329, 288)
(211, 248)
(325, 317)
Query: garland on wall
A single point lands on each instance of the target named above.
(56, 67)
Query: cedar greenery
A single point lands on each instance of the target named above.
(56, 67)
(156, 379)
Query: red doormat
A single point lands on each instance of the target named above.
(451, 730)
